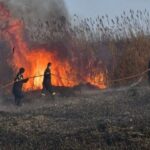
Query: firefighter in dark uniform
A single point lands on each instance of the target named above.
(47, 85)
(149, 72)
(17, 86)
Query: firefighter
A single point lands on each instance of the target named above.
(149, 72)
(17, 86)
(47, 85)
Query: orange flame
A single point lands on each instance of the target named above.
(35, 60)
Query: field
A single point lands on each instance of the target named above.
(97, 51)
(115, 119)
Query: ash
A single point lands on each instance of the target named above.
(93, 119)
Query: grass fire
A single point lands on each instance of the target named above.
(73, 82)
(35, 60)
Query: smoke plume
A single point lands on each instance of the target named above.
(37, 16)
(39, 31)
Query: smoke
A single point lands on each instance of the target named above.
(37, 9)
(35, 14)
(46, 24)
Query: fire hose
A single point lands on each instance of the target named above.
(112, 81)
(33, 77)
(132, 77)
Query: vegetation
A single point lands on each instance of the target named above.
(121, 45)
(111, 119)
(92, 120)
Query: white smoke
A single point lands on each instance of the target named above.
(35, 13)
(36, 9)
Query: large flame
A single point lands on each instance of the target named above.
(35, 60)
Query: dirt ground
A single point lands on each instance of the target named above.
(115, 119)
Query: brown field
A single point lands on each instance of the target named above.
(112, 119)
(115, 119)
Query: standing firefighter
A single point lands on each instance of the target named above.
(47, 86)
(17, 87)
(149, 72)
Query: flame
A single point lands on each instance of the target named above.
(97, 80)
(35, 60)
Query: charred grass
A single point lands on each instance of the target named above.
(91, 120)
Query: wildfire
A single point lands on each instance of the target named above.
(35, 60)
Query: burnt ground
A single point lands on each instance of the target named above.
(114, 119)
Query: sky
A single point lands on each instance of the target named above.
(93, 8)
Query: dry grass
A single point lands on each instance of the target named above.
(116, 47)
(119, 47)
(111, 119)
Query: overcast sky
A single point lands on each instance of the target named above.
(93, 8)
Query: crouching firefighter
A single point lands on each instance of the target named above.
(47, 85)
(17, 86)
